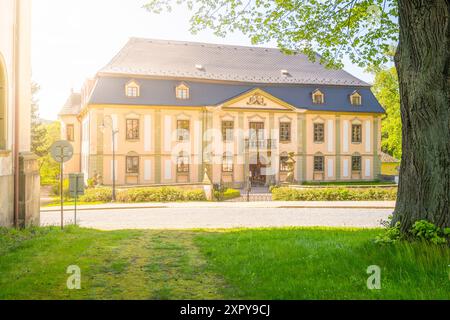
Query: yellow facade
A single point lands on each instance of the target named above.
(156, 149)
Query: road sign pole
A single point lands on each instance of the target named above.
(76, 196)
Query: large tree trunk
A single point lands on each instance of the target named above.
(423, 64)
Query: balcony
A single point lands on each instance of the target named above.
(263, 144)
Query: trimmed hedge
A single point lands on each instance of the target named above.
(96, 195)
(334, 194)
(228, 194)
(163, 194)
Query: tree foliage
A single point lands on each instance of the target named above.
(386, 89)
(37, 129)
(360, 29)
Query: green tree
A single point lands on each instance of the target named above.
(37, 129)
(386, 89)
(49, 168)
(364, 30)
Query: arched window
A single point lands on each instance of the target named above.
(3, 108)
(183, 162)
(284, 157)
(132, 89)
(318, 97)
(182, 92)
(227, 162)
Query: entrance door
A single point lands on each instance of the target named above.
(258, 177)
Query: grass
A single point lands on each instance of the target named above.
(252, 264)
(57, 203)
(349, 183)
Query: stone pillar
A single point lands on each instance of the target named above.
(29, 190)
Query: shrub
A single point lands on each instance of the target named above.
(333, 194)
(96, 195)
(426, 231)
(163, 194)
(422, 230)
(55, 188)
(389, 235)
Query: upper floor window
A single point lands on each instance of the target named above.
(318, 163)
(284, 167)
(355, 98)
(70, 132)
(227, 162)
(132, 89)
(318, 97)
(227, 131)
(182, 92)
(182, 163)
(356, 163)
(132, 129)
(356, 133)
(132, 164)
(319, 132)
(183, 130)
(285, 131)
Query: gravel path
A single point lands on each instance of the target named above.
(191, 218)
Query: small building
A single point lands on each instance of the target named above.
(162, 112)
(389, 165)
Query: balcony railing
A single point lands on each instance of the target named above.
(262, 144)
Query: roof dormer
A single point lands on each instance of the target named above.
(132, 89)
(318, 97)
(355, 98)
(182, 92)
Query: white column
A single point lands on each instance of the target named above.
(167, 133)
(345, 127)
(330, 128)
(147, 170)
(330, 168)
(367, 168)
(368, 136)
(345, 169)
(148, 133)
(168, 169)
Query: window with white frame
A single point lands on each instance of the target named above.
(182, 162)
(355, 99)
(227, 162)
(182, 92)
(318, 97)
(132, 90)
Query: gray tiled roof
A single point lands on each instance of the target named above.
(72, 105)
(178, 59)
(387, 158)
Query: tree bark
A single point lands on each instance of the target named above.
(423, 65)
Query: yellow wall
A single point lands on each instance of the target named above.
(157, 145)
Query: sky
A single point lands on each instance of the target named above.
(73, 39)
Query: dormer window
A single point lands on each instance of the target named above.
(318, 97)
(132, 89)
(355, 98)
(182, 92)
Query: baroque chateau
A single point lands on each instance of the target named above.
(166, 112)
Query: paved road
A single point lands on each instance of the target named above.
(191, 218)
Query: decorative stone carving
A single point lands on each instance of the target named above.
(256, 99)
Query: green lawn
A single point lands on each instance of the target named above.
(254, 264)
(350, 183)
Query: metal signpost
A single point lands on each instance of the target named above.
(61, 151)
(76, 188)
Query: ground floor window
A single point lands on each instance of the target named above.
(356, 163)
(182, 163)
(284, 167)
(227, 163)
(318, 163)
(132, 164)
